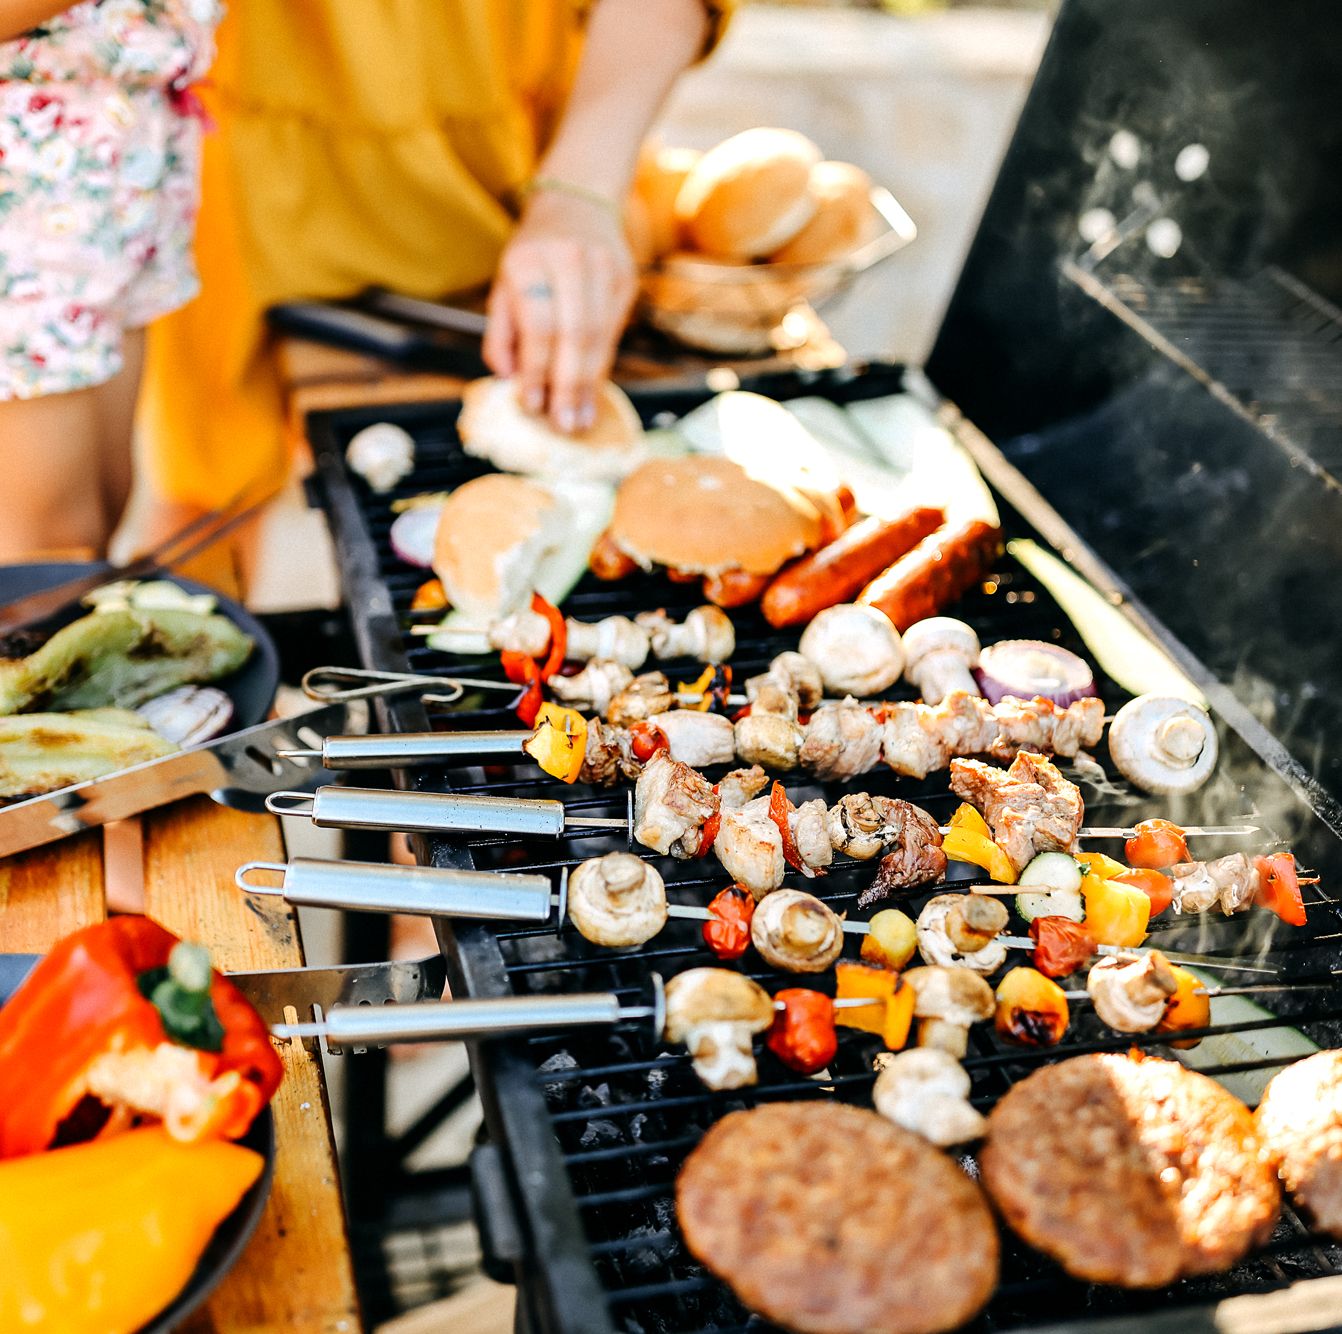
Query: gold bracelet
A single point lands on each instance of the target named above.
(563, 187)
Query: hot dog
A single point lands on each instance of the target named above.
(836, 572)
(608, 561)
(734, 588)
(940, 569)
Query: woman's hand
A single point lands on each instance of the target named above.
(559, 304)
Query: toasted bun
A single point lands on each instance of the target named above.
(661, 172)
(706, 515)
(638, 230)
(843, 217)
(494, 426)
(750, 195)
(491, 536)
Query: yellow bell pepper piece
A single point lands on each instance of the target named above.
(890, 1016)
(899, 1016)
(1116, 914)
(700, 687)
(965, 845)
(967, 818)
(102, 1236)
(1189, 1007)
(1097, 863)
(559, 743)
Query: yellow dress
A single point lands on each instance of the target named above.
(358, 142)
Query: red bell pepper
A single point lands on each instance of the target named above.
(1061, 945)
(126, 1013)
(727, 933)
(709, 833)
(1279, 887)
(779, 808)
(558, 635)
(522, 670)
(803, 1035)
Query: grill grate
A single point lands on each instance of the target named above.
(607, 1117)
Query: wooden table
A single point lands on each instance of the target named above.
(295, 1274)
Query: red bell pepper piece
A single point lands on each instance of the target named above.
(113, 993)
(727, 934)
(558, 635)
(522, 670)
(1279, 887)
(1061, 945)
(779, 807)
(803, 1035)
(1158, 888)
(1159, 843)
(708, 834)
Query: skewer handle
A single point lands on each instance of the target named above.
(403, 750)
(425, 890)
(334, 807)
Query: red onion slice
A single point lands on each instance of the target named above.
(189, 714)
(1029, 667)
(412, 535)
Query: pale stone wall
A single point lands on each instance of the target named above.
(925, 104)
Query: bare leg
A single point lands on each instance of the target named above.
(116, 411)
(50, 461)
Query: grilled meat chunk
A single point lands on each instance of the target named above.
(1029, 807)
(592, 688)
(809, 827)
(643, 697)
(795, 676)
(911, 743)
(1300, 1120)
(1133, 1172)
(607, 758)
(671, 803)
(750, 847)
(915, 859)
(842, 741)
(700, 739)
(740, 786)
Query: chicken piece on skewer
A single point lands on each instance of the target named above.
(750, 847)
(592, 688)
(769, 734)
(795, 931)
(642, 697)
(1030, 807)
(795, 675)
(706, 634)
(607, 758)
(671, 804)
(809, 826)
(910, 742)
(1228, 883)
(915, 858)
(841, 741)
(1038, 724)
(617, 900)
(612, 639)
(1131, 996)
(699, 739)
(740, 786)
(715, 1012)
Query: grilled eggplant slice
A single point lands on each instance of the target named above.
(40, 752)
(121, 659)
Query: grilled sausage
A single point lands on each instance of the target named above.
(734, 588)
(608, 561)
(938, 571)
(835, 572)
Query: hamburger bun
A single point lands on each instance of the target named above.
(660, 174)
(702, 515)
(638, 230)
(843, 218)
(495, 426)
(492, 534)
(750, 195)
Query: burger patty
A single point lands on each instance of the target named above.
(830, 1220)
(1131, 1172)
(1300, 1120)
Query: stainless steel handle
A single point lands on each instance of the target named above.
(405, 749)
(427, 890)
(434, 812)
(458, 1021)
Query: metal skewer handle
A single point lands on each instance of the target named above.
(403, 750)
(428, 890)
(335, 685)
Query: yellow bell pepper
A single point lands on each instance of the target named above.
(102, 1236)
(1189, 1007)
(889, 1016)
(1104, 867)
(970, 840)
(559, 743)
(1116, 914)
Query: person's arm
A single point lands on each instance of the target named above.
(17, 16)
(566, 280)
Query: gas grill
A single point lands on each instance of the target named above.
(586, 1131)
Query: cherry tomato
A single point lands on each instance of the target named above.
(803, 1035)
(727, 933)
(1061, 945)
(1158, 888)
(645, 740)
(1159, 843)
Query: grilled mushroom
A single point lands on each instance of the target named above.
(612, 639)
(1163, 744)
(592, 688)
(644, 696)
(769, 734)
(715, 1013)
(938, 654)
(862, 826)
(699, 739)
(949, 919)
(1228, 883)
(1131, 996)
(926, 1090)
(617, 900)
(523, 631)
(855, 648)
(706, 634)
(796, 675)
(796, 932)
(382, 454)
(947, 1001)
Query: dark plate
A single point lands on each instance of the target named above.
(252, 689)
(233, 1233)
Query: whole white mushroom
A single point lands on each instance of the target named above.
(856, 649)
(1163, 744)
